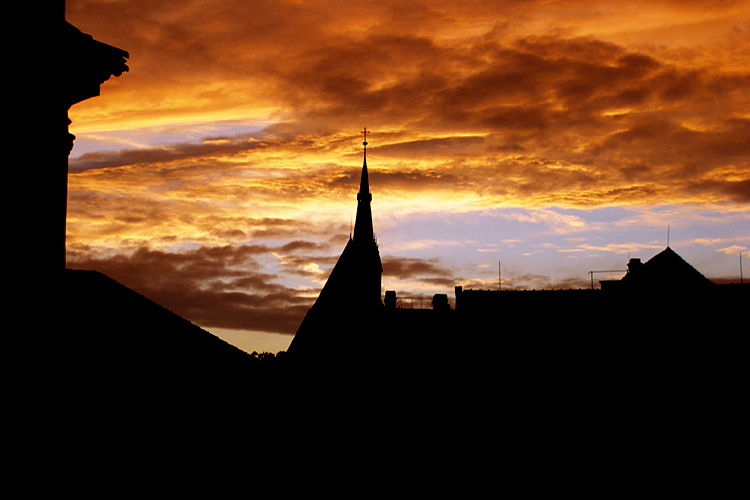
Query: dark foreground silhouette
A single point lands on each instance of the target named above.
(585, 407)
(105, 342)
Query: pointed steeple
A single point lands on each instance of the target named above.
(346, 314)
(363, 230)
(364, 182)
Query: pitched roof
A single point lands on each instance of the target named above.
(666, 270)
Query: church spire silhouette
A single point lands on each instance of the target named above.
(349, 307)
(363, 229)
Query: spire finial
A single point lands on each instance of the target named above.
(365, 132)
(364, 184)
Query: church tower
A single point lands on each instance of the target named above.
(346, 314)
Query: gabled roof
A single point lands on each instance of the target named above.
(666, 270)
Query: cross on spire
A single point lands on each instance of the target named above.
(365, 132)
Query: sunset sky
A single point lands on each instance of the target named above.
(218, 177)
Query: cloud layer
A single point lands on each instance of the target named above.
(578, 105)
(573, 119)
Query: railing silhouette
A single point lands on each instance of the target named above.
(416, 303)
(401, 302)
(438, 301)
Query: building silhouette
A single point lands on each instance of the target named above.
(73, 69)
(664, 271)
(348, 311)
(548, 374)
(663, 296)
(544, 377)
(652, 304)
(80, 337)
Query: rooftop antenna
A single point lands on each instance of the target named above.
(741, 280)
(667, 236)
(500, 276)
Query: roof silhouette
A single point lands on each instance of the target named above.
(665, 270)
(99, 337)
(349, 323)
(346, 312)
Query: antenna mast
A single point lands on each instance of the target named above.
(499, 276)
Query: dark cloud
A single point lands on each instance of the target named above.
(210, 286)
(217, 148)
(428, 271)
(226, 287)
